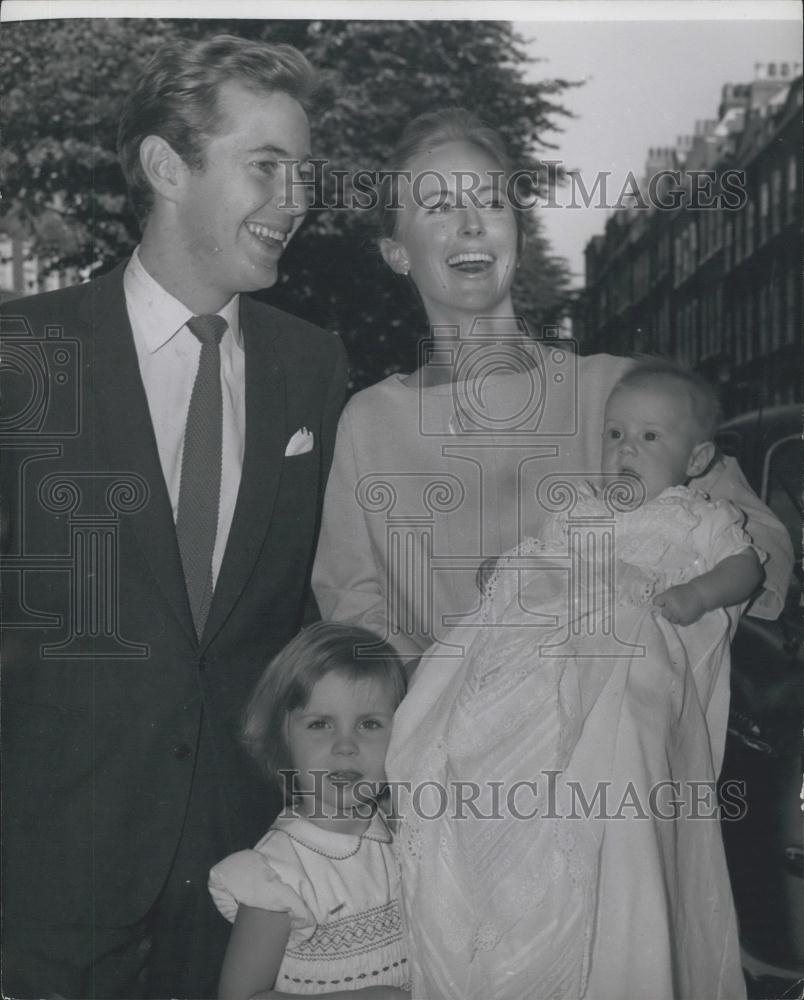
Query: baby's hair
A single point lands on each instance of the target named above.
(704, 403)
(289, 679)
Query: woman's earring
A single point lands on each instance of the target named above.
(404, 266)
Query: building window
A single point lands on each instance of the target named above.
(30, 270)
(792, 188)
(718, 223)
(6, 262)
(728, 331)
(763, 212)
(728, 243)
(790, 311)
(750, 220)
(717, 343)
(776, 201)
(749, 328)
(776, 307)
(763, 326)
(52, 281)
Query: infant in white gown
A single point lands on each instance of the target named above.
(536, 888)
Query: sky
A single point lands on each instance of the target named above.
(646, 84)
(652, 67)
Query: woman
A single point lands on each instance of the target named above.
(436, 471)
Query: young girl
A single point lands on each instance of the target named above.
(580, 734)
(315, 904)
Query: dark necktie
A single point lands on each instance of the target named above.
(199, 492)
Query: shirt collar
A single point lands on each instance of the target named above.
(160, 314)
(333, 845)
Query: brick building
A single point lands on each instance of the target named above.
(707, 268)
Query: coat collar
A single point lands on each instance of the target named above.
(125, 433)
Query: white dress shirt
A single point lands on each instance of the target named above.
(168, 354)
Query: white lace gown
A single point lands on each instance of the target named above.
(560, 837)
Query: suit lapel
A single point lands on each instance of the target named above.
(266, 438)
(124, 425)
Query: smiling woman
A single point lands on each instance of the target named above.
(437, 470)
(434, 473)
(459, 245)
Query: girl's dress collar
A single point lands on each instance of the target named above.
(337, 846)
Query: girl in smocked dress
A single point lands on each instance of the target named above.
(315, 904)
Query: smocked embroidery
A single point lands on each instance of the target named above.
(352, 935)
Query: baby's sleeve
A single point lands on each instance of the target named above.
(248, 878)
(722, 533)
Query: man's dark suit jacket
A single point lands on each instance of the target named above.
(104, 681)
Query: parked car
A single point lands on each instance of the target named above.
(764, 746)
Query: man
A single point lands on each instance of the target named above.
(167, 445)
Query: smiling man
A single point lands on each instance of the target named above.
(195, 440)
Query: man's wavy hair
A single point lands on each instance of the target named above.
(289, 679)
(177, 98)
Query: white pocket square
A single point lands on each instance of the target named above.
(300, 443)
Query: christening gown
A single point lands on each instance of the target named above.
(560, 836)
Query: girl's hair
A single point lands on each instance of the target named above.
(176, 97)
(290, 677)
(703, 399)
(426, 132)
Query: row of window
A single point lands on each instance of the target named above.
(739, 233)
(752, 324)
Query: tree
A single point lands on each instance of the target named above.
(58, 155)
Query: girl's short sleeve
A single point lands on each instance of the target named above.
(721, 533)
(248, 878)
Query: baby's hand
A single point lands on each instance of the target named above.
(681, 605)
(485, 571)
